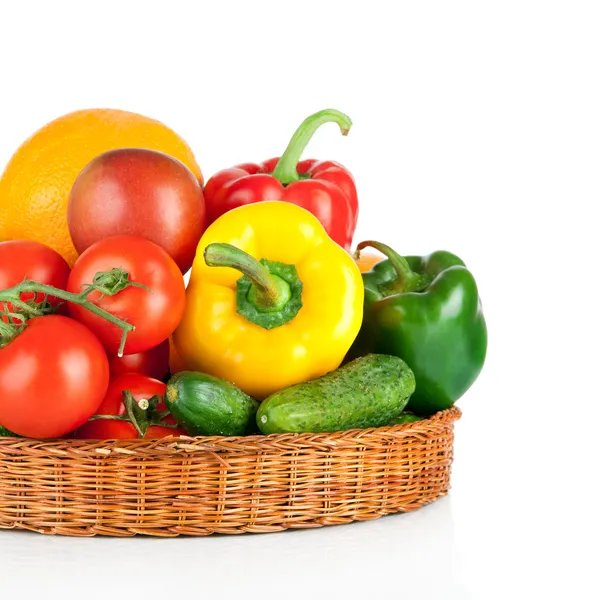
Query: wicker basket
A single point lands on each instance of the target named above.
(199, 486)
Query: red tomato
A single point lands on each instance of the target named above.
(153, 363)
(154, 314)
(53, 376)
(141, 388)
(21, 260)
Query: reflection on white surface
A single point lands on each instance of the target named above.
(397, 555)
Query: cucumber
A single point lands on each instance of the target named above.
(406, 417)
(207, 405)
(370, 391)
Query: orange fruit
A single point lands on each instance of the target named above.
(367, 260)
(35, 187)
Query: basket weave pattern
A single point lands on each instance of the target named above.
(199, 486)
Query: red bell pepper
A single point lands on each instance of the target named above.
(324, 188)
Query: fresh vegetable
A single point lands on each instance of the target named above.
(406, 417)
(107, 283)
(53, 370)
(206, 405)
(324, 188)
(140, 192)
(53, 376)
(142, 422)
(152, 363)
(368, 392)
(6, 433)
(292, 317)
(21, 260)
(35, 187)
(176, 364)
(274, 306)
(154, 300)
(427, 311)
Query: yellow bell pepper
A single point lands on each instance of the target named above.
(292, 316)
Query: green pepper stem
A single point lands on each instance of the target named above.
(107, 283)
(268, 292)
(406, 279)
(286, 169)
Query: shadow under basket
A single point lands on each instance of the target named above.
(205, 485)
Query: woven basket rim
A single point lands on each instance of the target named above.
(277, 442)
(205, 485)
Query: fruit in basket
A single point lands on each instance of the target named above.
(137, 422)
(24, 259)
(324, 188)
(152, 363)
(206, 405)
(35, 187)
(53, 376)
(291, 317)
(139, 192)
(154, 302)
(427, 311)
(42, 350)
(106, 283)
(367, 392)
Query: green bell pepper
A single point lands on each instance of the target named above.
(427, 311)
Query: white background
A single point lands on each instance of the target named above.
(477, 130)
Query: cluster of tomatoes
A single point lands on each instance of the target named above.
(59, 361)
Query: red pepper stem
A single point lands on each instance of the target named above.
(268, 292)
(286, 169)
(406, 279)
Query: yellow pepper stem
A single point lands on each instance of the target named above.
(269, 294)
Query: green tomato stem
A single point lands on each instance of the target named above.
(141, 414)
(108, 283)
(7, 330)
(34, 311)
(136, 412)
